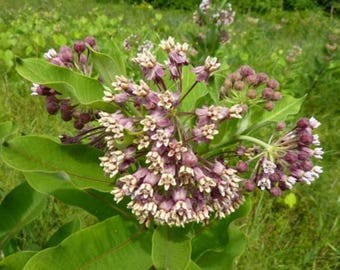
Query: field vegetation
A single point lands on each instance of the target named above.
(300, 48)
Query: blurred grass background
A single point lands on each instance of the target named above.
(302, 235)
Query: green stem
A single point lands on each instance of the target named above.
(256, 141)
(189, 90)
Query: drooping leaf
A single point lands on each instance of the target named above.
(216, 244)
(84, 90)
(16, 261)
(20, 207)
(200, 90)
(100, 205)
(63, 232)
(171, 248)
(109, 67)
(111, 244)
(41, 154)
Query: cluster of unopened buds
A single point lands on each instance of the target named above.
(246, 87)
(75, 58)
(153, 144)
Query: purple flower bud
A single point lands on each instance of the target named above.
(239, 85)
(305, 138)
(303, 123)
(189, 159)
(275, 177)
(91, 41)
(275, 191)
(66, 54)
(246, 71)
(79, 46)
(85, 118)
(267, 93)
(78, 124)
(179, 195)
(241, 150)
(262, 78)
(303, 155)
(291, 157)
(252, 93)
(242, 166)
(280, 126)
(269, 106)
(249, 185)
(252, 80)
(277, 95)
(272, 83)
(307, 165)
(52, 107)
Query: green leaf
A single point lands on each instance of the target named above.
(41, 154)
(109, 67)
(6, 129)
(224, 259)
(63, 232)
(288, 105)
(216, 245)
(171, 248)
(192, 266)
(111, 244)
(85, 90)
(98, 204)
(188, 103)
(20, 207)
(16, 261)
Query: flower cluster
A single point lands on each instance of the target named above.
(288, 159)
(170, 183)
(208, 14)
(245, 86)
(175, 165)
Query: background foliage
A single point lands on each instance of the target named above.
(298, 231)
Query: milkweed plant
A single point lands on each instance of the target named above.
(178, 146)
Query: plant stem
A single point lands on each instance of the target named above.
(189, 90)
(256, 141)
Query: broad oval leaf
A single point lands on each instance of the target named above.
(20, 207)
(85, 90)
(41, 154)
(99, 204)
(16, 261)
(171, 248)
(111, 244)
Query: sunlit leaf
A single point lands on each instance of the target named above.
(99, 204)
(85, 90)
(16, 261)
(111, 244)
(41, 154)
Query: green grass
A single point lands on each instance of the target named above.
(305, 236)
